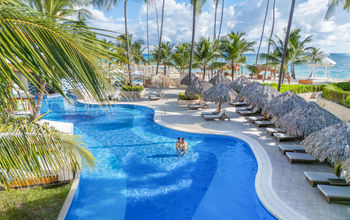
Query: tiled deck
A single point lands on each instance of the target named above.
(288, 180)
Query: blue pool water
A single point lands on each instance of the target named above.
(139, 176)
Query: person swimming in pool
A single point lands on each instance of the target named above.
(178, 147)
(184, 146)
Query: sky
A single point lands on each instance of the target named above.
(332, 36)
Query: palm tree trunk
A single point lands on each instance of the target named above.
(272, 30)
(193, 35)
(155, 4)
(262, 33)
(222, 15)
(286, 44)
(204, 69)
(293, 71)
(39, 102)
(127, 39)
(232, 70)
(164, 69)
(147, 34)
(160, 37)
(216, 10)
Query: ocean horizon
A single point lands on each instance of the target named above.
(341, 70)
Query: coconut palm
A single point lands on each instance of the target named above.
(205, 52)
(160, 38)
(271, 33)
(233, 46)
(335, 3)
(262, 32)
(136, 49)
(285, 46)
(216, 2)
(315, 55)
(164, 55)
(222, 16)
(197, 7)
(181, 56)
(44, 49)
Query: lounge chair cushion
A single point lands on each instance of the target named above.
(315, 178)
(271, 131)
(283, 137)
(221, 115)
(237, 103)
(196, 106)
(209, 113)
(335, 193)
(245, 113)
(291, 148)
(300, 157)
(256, 118)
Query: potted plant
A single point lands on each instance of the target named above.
(183, 99)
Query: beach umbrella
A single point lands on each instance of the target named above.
(249, 89)
(304, 120)
(220, 93)
(198, 86)
(283, 104)
(330, 144)
(186, 79)
(262, 96)
(239, 83)
(219, 78)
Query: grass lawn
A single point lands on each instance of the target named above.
(43, 202)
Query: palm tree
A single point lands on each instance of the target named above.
(335, 3)
(160, 37)
(147, 4)
(127, 39)
(197, 7)
(216, 2)
(262, 32)
(285, 46)
(222, 16)
(315, 55)
(181, 56)
(271, 33)
(44, 47)
(205, 52)
(233, 46)
(164, 55)
(136, 50)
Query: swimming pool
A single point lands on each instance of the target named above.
(139, 176)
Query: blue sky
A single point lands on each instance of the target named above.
(241, 15)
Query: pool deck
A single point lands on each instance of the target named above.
(291, 193)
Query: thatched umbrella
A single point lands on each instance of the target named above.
(186, 79)
(239, 83)
(198, 86)
(262, 96)
(283, 104)
(331, 144)
(219, 78)
(221, 93)
(249, 89)
(161, 81)
(304, 120)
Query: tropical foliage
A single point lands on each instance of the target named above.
(164, 55)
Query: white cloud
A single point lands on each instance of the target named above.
(247, 16)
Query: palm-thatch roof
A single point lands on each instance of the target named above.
(304, 120)
(186, 79)
(221, 93)
(161, 81)
(219, 78)
(198, 86)
(331, 144)
(283, 104)
(239, 83)
(262, 96)
(249, 89)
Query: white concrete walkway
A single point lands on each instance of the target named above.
(288, 180)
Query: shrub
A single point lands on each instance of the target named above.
(297, 88)
(132, 88)
(182, 96)
(335, 92)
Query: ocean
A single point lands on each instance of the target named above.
(341, 70)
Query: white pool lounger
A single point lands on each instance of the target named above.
(283, 137)
(291, 148)
(316, 178)
(271, 131)
(335, 193)
(300, 157)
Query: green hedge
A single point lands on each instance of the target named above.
(297, 88)
(133, 88)
(338, 92)
(182, 96)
